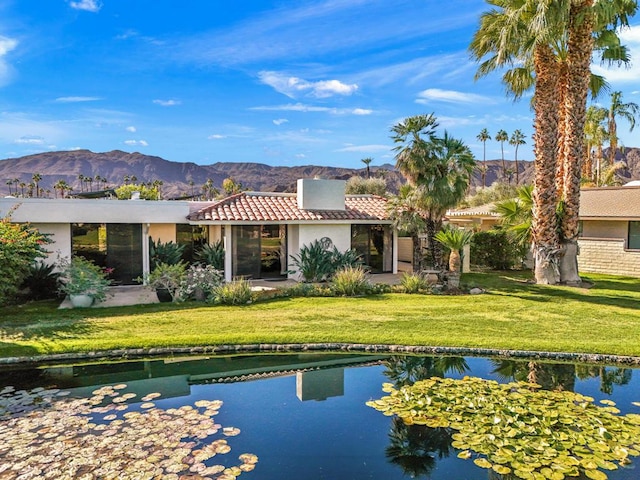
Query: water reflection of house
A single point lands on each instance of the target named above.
(260, 231)
(318, 377)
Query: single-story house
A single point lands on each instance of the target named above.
(609, 228)
(260, 231)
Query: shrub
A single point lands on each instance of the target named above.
(237, 292)
(212, 255)
(124, 192)
(41, 282)
(351, 281)
(80, 276)
(20, 246)
(372, 186)
(168, 277)
(199, 281)
(317, 262)
(495, 249)
(413, 283)
(169, 253)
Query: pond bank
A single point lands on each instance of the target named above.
(134, 353)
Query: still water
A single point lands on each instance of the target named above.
(303, 416)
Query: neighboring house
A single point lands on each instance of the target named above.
(479, 218)
(260, 231)
(610, 230)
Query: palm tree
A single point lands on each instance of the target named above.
(455, 239)
(441, 166)
(517, 139)
(22, 185)
(81, 179)
(516, 216)
(553, 39)
(9, 183)
(628, 111)
(367, 161)
(595, 134)
(36, 180)
(483, 136)
(502, 137)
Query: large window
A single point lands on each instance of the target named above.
(192, 237)
(375, 244)
(116, 246)
(259, 251)
(634, 236)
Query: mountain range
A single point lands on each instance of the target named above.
(181, 179)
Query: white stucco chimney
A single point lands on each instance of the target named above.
(316, 194)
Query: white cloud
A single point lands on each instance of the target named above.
(131, 129)
(294, 86)
(6, 45)
(141, 143)
(29, 140)
(216, 136)
(365, 148)
(300, 107)
(280, 121)
(300, 155)
(76, 99)
(450, 96)
(88, 5)
(167, 103)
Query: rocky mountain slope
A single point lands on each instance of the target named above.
(187, 178)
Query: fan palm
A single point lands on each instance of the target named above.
(455, 239)
(483, 136)
(502, 137)
(628, 111)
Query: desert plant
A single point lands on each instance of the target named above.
(413, 283)
(79, 276)
(317, 262)
(455, 239)
(212, 254)
(351, 281)
(237, 292)
(41, 282)
(167, 277)
(169, 252)
(199, 281)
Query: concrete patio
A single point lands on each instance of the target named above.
(139, 294)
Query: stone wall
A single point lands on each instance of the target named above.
(599, 255)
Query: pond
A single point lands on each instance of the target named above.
(263, 417)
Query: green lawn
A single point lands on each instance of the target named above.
(512, 314)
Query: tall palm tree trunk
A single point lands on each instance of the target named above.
(580, 48)
(545, 244)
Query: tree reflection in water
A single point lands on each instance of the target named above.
(416, 448)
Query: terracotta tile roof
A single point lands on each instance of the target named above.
(480, 211)
(283, 207)
(610, 202)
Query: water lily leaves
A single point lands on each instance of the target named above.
(47, 435)
(482, 463)
(519, 429)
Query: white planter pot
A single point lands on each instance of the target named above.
(81, 301)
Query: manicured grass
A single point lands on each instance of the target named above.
(513, 314)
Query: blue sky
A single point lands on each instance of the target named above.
(277, 82)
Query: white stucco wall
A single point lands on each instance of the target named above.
(48, 210)
(60, 235)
